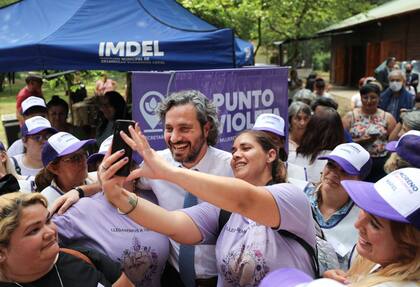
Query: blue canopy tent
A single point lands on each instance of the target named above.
(113, 35)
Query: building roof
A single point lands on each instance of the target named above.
(388, 9)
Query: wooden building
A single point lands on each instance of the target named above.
(360, 43)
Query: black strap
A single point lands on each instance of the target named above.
(17, 167)
(224, 216)
(309, 249)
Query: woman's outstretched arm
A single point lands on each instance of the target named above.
(175, 224)
(234, 195)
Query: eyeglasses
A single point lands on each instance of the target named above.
(75, 158)
(40, 138)
(333, 166)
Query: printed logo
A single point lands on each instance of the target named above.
(140, 263)
(148, 104)
(244, 267)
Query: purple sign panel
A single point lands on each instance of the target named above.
(239, 94)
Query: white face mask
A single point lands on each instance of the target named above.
(395, 86)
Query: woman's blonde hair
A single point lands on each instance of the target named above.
(406, 269)
(395, 162)
(11, 206)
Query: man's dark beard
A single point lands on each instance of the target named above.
(191, 157)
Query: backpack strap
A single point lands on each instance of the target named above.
(77, 254)
(224, 216)
(17, 167)
(309, 249)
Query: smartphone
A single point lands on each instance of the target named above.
(118, 144)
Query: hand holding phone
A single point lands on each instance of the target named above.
(118, 144)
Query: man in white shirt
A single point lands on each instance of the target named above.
(190, 131)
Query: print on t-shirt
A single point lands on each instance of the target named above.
(245, 265)
(139, 261)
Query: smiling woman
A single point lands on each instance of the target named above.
(65, 166)
(333, 209)
(263, 208)
(29, 252)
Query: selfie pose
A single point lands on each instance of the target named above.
(258, 210)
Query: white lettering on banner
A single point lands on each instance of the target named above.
(235, 103)
(242, 120)
(130, 49)
(244, 100)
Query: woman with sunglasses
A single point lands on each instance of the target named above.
(64, 158)
(35, 132)
(332, 208)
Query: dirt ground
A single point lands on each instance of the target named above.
(342, 95)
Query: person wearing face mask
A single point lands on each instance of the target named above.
(396, 97)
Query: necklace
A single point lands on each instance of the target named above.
(58, 275)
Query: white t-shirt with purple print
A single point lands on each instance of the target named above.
(247, 251)
(94, 223)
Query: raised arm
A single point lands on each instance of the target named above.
(231, 194)
(175, 224)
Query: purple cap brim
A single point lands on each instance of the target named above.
(391, 146)
(40, 129)
(367, 198)
(344, 164)
(95, 157)
(285, 277)
(76, 147)
(274, 131)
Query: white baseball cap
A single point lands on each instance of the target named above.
(394, 197)
(352, 158)
(36, 125)
(102, 150)
(62, 144)
(33, 102)
(270, 123)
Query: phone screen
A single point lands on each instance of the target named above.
(118, 144)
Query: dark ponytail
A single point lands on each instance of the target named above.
(267, 142)
(43, 179)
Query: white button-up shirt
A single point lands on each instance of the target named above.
(171, 197)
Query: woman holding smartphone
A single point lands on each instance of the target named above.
(261, 204)
(370, 127)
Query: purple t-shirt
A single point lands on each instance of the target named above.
(247, 251)
(93, 222)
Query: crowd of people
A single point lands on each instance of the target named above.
(326, 196)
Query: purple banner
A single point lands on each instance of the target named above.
(239, 94)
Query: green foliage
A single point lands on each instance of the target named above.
(322, 61)
(7, 2)
(266, 21)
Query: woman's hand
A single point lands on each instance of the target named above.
(154, 166)
(337, 275)
(365, 139)
(112, 185)
(64, 202)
